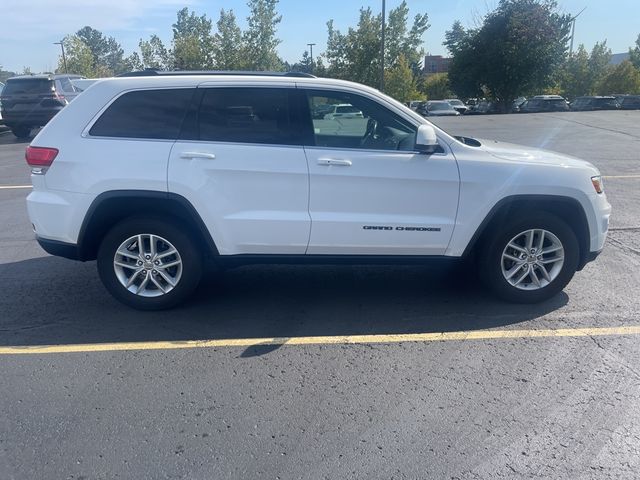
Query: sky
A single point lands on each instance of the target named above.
(29, 27)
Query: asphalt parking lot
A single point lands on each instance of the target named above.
(330, 372)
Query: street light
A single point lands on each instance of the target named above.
(64, 58)
(382, 49)
(311, 53)
(573, 29)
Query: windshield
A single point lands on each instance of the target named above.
(439, 106)
(28, 86)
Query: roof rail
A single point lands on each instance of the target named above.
(152, 72)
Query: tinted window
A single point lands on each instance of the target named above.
(28, 86)
(373, 127)
(247, 115)
(145, 114)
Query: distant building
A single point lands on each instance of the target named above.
(618, 58)
(436, 64)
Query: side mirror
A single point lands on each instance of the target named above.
(426, 139)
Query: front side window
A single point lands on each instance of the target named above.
(358, 122)
(247, 115)
(153, 114)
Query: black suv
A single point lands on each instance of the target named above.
(30, 101)
(545, 103)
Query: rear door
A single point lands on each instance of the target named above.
(241, 163)
(370, 191)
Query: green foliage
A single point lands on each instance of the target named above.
(634, 54)
(400, 82)
(516, 51)
(624, 78)
(106, 53)
(582, 72)
(154, 54)
(80, 59)
(355, 55)
(260, 40)
(192, 41)
(437, 87)
(227, 42)
(4, 74)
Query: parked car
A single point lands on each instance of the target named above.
(484, 107)
(628, 102)
(458, 105)
(545, 103)
(30, 101)
(437, 108)
(517, 103)
(589, 103)
(148, 176)
(343, 110)
(414, 104)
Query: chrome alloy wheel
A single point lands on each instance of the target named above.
(147, 265)
(532, 259)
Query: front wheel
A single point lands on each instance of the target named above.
(529, 260)
(149, 264)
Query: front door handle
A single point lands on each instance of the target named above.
(191, 155)
(334, 161)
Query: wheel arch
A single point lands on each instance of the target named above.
(567, 209)
(111, 207)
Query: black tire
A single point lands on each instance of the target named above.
(489, 257)
(174, 233)
(21, 132)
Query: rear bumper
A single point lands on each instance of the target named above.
(35, 118)
(59, 249)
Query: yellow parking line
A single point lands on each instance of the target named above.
(14, 187)
(326, 340)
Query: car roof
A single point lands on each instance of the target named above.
(45, 76)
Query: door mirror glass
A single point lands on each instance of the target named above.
(426, 139)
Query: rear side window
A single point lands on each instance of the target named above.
(247, 115)
(155, 114)
(26, 86)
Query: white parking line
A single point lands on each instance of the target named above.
(621, 176)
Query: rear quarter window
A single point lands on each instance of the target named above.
(153, 114)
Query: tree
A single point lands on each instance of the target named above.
(80, 59)
(437, 87)
(154, 54)
(634, 54)
(227, 43)
(260, 40)
(400, 82)
(106, 53)
(355, 55)
(192, 41)
(624, 78)
(305, 64)
(582, 72)
(516, 50)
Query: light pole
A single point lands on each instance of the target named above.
(311, 53)
(64, 58)
(573, 29)
(382, 49)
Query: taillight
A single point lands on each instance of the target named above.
(40, 158)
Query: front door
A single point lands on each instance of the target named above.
(370, 191)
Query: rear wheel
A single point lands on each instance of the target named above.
(21, 131)
(529, 260)
(149, 264)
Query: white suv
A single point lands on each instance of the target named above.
(151, 174)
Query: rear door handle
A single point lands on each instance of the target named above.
(334, 161)
(191, 155)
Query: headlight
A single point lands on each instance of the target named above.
(597, 184)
